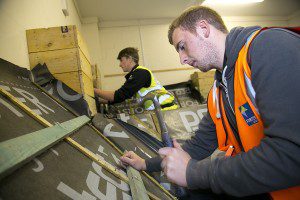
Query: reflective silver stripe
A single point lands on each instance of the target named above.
(214, 92)
(158, 87)
(250, 91)
(223, 76)
(216, 100)
(162, 98)
(248, 39)
(150, 107)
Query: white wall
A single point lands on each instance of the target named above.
(90, 33)
(112, 40)
(294, 19)
(232, 22)
(154, 50)
(150, 37)
(16, 16)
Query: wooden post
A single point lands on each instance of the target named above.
(138, 190)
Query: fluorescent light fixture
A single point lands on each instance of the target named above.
(230, 2)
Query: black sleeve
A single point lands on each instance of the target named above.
(138, 79)
(275, 163)
(153, 164)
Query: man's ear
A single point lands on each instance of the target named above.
(132, 60)
(203, 28)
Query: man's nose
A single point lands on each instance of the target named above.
(183, 58)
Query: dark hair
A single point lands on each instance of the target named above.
(129, 52)
(188, 19)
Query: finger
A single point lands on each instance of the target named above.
(122, 158)
(164, 151)
(164, 167)
(123, 165)
(176, 144)
(128, 154)
(126, 160)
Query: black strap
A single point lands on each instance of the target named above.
(167, 105)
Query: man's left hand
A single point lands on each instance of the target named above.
(174, 163)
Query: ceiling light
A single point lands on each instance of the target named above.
(230, 2)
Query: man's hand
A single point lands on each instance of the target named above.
(130, 158)
(96, 90)
(174, 163)
(105, 94)
(103, 101)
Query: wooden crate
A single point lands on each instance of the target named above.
(78, 81)
(54, 38)
(203, 81)
(62, 61)
(64, 52)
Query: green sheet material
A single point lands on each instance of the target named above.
(17, 151)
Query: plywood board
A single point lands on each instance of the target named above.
(77, 81)
(45, 39)
(61, 61)
(85, 65)
(54, 38)
(82, 45)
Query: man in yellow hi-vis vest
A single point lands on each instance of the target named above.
(249, 141)
(139, 82)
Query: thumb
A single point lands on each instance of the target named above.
(176, 144)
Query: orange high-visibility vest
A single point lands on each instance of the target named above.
(249, 123)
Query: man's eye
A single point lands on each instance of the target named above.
(181, 47)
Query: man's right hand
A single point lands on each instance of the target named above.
(130, 158)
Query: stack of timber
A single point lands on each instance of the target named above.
(66, 55)
(203, 82)
(185, 94)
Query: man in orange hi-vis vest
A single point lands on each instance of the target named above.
(248, 143)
